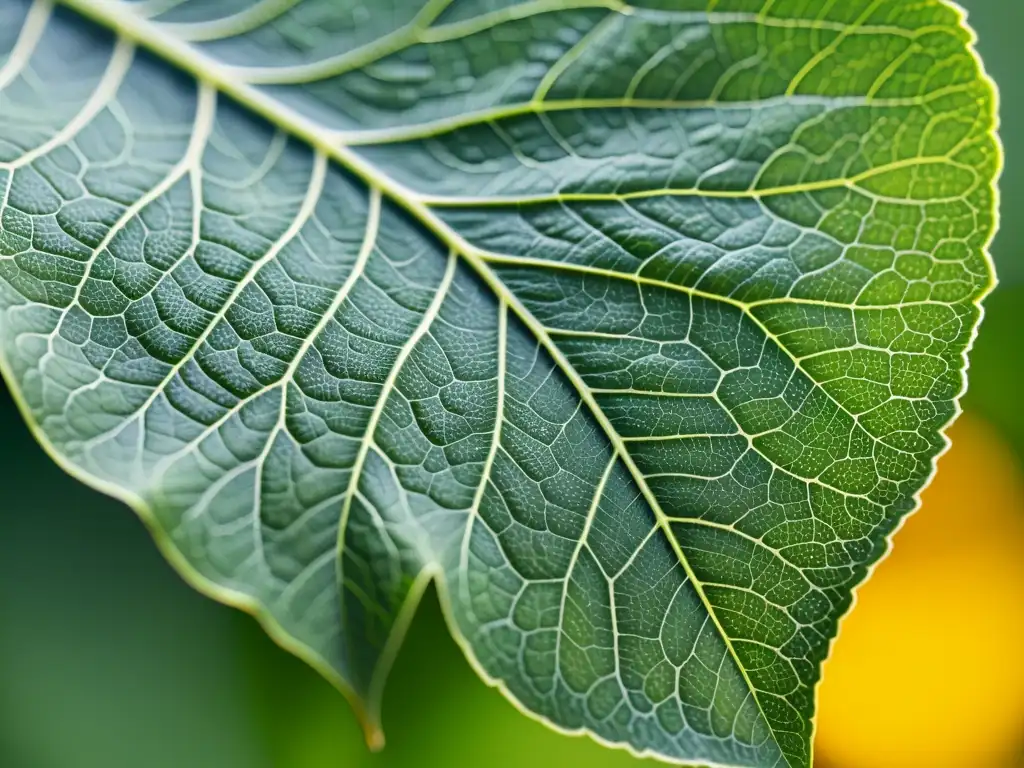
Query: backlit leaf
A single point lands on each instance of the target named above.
(635, 327)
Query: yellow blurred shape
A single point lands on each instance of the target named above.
(929, 667)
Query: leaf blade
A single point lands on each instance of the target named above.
(806, 320)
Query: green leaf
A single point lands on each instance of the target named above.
(635, 327)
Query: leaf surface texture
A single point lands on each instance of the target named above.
(634, 326)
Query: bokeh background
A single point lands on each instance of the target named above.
(108, 660)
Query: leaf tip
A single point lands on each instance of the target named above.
(374, 735)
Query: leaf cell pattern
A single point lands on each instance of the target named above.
(635, 327)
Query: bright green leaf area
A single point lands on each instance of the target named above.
(635, 326)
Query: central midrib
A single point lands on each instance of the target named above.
(120, 18)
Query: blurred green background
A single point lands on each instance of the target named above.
(108, 660)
